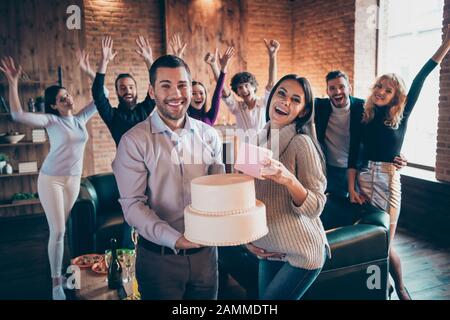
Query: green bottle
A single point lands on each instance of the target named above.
(115, 269)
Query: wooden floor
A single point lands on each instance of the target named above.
(24, 270)
(426, 267)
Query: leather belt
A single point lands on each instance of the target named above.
(165, 251)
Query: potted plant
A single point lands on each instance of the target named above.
(24, 197)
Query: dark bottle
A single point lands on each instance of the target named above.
(115, 269)
(31, 106)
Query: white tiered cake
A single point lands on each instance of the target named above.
(224, 211)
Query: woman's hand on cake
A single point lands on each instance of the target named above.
(276, 171)
(263, 253)
(183, 243)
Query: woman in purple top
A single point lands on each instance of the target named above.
(197, 108)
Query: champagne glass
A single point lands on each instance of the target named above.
(128, 259)
(134, 237)
(135, 292)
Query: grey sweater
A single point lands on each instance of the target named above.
(295, 231)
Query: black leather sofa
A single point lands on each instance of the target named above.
(96, 216)
(359, 251)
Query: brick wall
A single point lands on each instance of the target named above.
(242, 23)
(124, 20)
(443, 138)
(324, 40)
(269, 20)
(316, 37)
(313, 42)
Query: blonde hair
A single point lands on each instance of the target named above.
(397, 104)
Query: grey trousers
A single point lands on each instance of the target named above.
(177, 277)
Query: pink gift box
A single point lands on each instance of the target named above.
(249, 159)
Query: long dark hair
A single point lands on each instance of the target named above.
(50, 99)
(303, 124)
(202, 110)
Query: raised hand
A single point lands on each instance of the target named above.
(145, 50)
(11, 71)
(177, 45)
(447, 35)
(225, 59)
(444, 48)
(212, 59)
(83, 63)
(272, 47)
(107, 49)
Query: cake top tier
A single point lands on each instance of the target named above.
(222, 180)
(223, 193)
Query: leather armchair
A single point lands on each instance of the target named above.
(358, 251)
(358, 268)
(96, 216)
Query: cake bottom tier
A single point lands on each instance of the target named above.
(226, 230)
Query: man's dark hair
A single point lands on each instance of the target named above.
(167, 61)
(123, 75)
(243, 77)
(337, 74)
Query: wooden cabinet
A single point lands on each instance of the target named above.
(23, 151)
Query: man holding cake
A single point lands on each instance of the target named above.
(154, 166)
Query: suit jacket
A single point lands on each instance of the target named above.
(323, 110)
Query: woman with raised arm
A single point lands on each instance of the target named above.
(59, 177)
(381, 133)
(197, 108)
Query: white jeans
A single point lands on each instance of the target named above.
(57, 195)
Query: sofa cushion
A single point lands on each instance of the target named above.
(106, 191)
(357, 244)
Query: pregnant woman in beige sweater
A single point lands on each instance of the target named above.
(294, 251)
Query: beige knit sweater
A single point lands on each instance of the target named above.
(295, 231)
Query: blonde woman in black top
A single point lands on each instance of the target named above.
(383, 128)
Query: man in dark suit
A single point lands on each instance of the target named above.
(334, 118)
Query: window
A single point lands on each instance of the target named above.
(413, 32)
